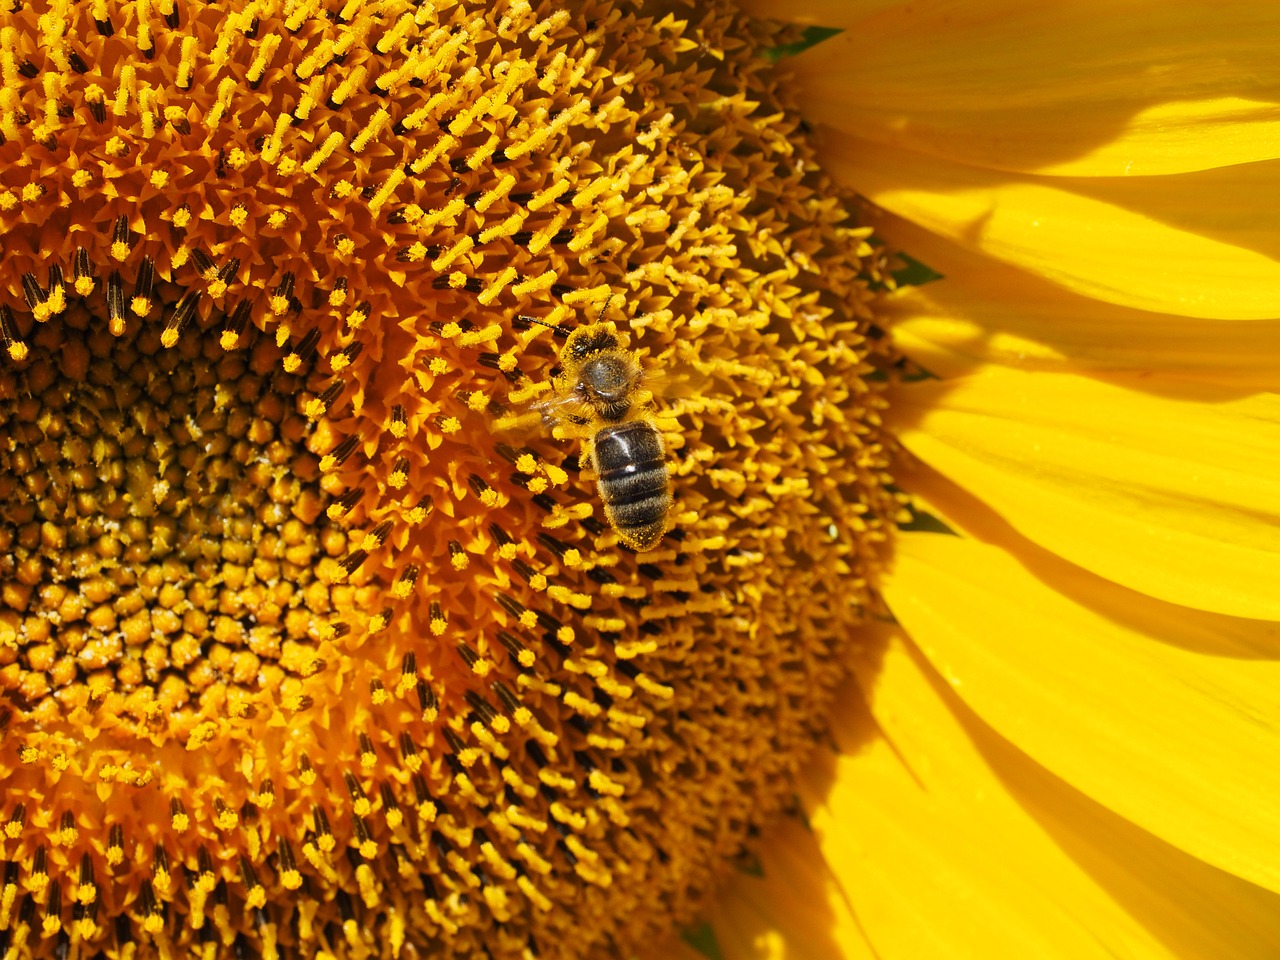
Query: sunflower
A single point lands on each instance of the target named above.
(1061, 742)
(315, 642)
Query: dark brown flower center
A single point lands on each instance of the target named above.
(161, 524)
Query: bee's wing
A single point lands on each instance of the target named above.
(673, 383)
(541, 416)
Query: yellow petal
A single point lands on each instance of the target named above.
(1169, 495)
(1196, 244)
(1087, 88)
(1207, 633)
(818, 13)
(984, 311)
(794, 910)
(1181, 743)
(674, 948)
(949, 843)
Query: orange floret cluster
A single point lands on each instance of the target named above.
(302, 655)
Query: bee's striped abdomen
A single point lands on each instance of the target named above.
(633, 481)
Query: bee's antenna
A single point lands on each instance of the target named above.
(523, 321)
(603, 307)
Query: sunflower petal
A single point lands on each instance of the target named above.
(986, 312)
(935, 876)
(675, 948)
(1197, 244)
(818, 13)
(1180, 743)
(936, 833)
(792, 911)
(1172, 496)
(1199, 631)
(1081, 89)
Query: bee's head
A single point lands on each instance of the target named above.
(596, 338)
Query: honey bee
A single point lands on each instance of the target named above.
(603, 380)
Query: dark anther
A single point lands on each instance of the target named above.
(142, 287)
(305, 349)
(32, 291)
(204, 262)
(426, 696)
(345, 448)
(120, 231)
(469, 656)
(184, 311)
(351, 562)
(229, 270)
(115, 298)
(285, 287)
(331, 393)
(83, 265)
